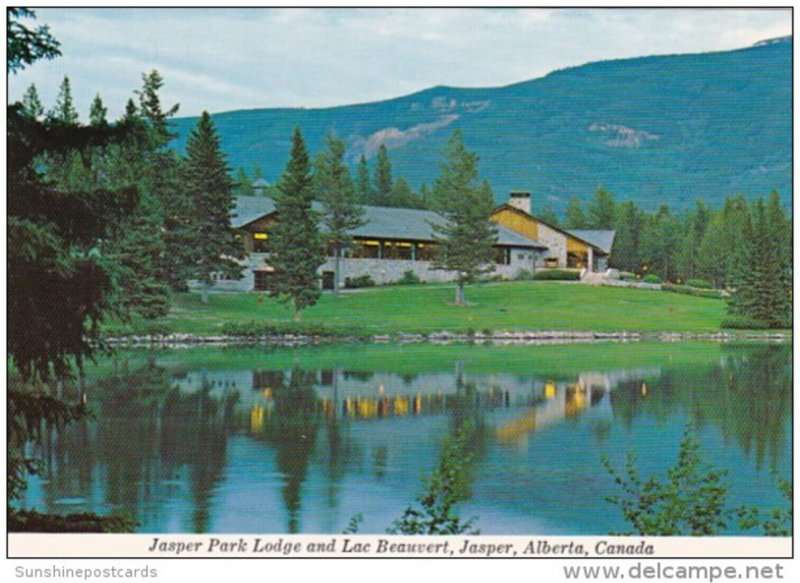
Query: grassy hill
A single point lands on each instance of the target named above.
(662, 129)
(428, 308)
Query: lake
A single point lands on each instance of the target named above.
(300, 440)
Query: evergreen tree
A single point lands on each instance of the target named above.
(764, 291)
(466, 240)
(210, 189)
(575, 217)
(137, 249)
(626, 253)
(548, 215)
(98, 112)
(294, 244)
(687, 258)
(151, 110)
(243, 186)
(31, 104)
(403, 196)
(738, 222)
(364, 193)
(425, 196)
(712, 253)
(383, 178)
(658, 242)
(601, 210)
(64, 110)
(335, 190)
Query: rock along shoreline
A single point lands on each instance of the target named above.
(498, 338)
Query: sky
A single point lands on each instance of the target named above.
(227, 59)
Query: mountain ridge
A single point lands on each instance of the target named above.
(654, 129)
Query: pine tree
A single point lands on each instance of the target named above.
(98, 112)
(658, 240)
(364, 193)
(575, 217)
(209, 187)
(383, 178)
(64, 110)
(687, 257)
(764, 291)
(403, 196)
(335, 189)
(294, 246)
(601, 210)
(151, 110)
(548, 215)
(712, 252)
(31, 104)
(466, 240)
(243, 186)
(626, 254)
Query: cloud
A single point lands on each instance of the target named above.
(224, 59)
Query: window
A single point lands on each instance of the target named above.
(368, 249)
(426, 251)
(260, 242)
(260, 279)
(502, 255)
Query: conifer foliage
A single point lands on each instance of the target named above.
(467, 237)
(294, 246)
(209, 187)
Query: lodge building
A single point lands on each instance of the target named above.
(393, 241)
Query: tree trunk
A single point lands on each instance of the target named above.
(204, 294)
(460, 293)
(296, 313)
(336, 253)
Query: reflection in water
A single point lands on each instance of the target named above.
(194, 450)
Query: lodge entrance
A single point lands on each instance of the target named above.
(327, 279)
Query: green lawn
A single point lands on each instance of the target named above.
(427, 308)
(552, 360)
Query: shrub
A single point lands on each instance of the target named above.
(360, 281)
(557, 274)
(258, 329)
(523, 275)
(700, 283)
(409, 278)
(627, 276)
(651, 278)
(693, 291)
(736, 322)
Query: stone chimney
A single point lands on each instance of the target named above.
(520, 200)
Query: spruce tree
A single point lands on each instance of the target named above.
(712, 254)
(626, 254)
(466, 239)
(575, 217)
(383, 178)
(548, 215)
(658, 241)
(601, 210)
(294, 245)
(208, 185)
(64, 110)
(98, 112)
(335, 190)
(364, 193)
(403, 196)
(31, 104)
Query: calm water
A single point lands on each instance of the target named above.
(269, 441)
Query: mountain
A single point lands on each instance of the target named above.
(661, 129)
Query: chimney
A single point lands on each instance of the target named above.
(520, 200)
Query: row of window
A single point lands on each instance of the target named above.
(382, 249)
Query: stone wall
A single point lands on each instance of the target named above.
(382, 271)
(557, 243)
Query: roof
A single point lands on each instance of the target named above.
(381, 222)
(597, 241)
(259, 183)
(603, 240)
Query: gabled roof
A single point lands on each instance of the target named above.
(597, 241)
(259, 183)
(604, 240)
(380, 222)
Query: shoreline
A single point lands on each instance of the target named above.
(500, 338)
